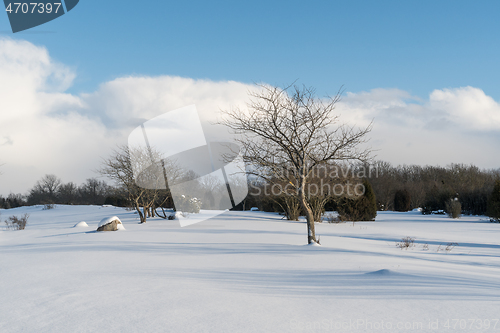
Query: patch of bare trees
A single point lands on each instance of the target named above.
(51, 190)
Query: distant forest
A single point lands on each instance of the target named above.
(426, 187)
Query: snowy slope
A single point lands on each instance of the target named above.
(247, 272)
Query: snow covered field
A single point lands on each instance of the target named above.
(247, 272)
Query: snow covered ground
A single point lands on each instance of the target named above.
(247, 272)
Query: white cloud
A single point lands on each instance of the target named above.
(459, 125)
(40, 132)
(44, 129)
(129, 101)
(468, 107)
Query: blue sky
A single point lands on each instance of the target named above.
(416, 46)
(424, 71)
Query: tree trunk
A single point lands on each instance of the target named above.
(311, 233)
(141, 216)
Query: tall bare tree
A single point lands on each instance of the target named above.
(288, 132)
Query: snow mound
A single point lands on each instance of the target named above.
(82, 224)
(107, 220)
(383, 272)
(120, 227)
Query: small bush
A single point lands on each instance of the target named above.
(450, 246)
(16, 223)
(402, 201)
(406, 243)
(49, 206)
(453, 208)
(331, 218)
(186, 204)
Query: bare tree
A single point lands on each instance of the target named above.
(146, 190)
(118, 167)
(45, 190)
(287, 132)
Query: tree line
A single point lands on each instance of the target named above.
(50, 190)
(396, 188)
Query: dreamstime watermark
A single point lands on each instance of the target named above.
(25, 15)
(171, 151)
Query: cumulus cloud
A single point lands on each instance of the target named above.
(452, 126)
(44, 129)
(129, 101)
(468, 107)
(40, 130)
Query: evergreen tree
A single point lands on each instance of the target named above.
(494, 202)
(363, 208)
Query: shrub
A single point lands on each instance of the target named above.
(186, 204)
(406, 243)
(363, 208)
(494, 203)
(331, 218)
(48, 206)
(450, 246)
(453, 208)
(17, 223)
(402, 201)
